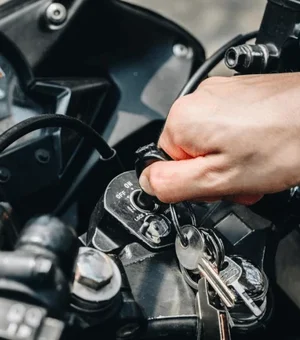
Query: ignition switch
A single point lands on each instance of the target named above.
(147, 155)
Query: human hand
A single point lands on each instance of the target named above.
(234, 138)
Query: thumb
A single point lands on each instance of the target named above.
(176, 181)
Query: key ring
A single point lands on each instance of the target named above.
(176, 221)
(215, 246)
(190, 208)
(187, 278)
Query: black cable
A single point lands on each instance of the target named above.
(212, 61)
(55, 120)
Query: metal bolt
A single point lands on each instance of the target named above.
(56, 14)
(181, 51)
(93, 269)
(4, 174)
(236, 56)
(42, 156)
(249, 58)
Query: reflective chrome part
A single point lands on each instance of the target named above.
(93, 268)
(56, 15)
(208, 271)
(156, 227)
(193, 257)
(255, 284)
(231, 276)
(189, 256)
(97, 277)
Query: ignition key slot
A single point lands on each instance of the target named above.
(141, 205)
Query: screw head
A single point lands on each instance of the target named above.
(42, 156)
(56, 14)
(93, 269)
(182, 51)
(4, 174)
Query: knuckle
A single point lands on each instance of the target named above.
(175, 127)
(218, 179)
(163, 141)
(177, 137)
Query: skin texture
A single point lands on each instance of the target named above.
(234, 138)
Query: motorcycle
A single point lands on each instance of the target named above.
(85, 88)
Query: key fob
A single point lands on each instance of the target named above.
(147, 155)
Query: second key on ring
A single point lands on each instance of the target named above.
(193, 257)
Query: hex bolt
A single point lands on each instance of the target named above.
(56, 14)
(42, 156)
(93, 269)
(4, 174)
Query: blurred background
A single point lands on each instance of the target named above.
(213, 22)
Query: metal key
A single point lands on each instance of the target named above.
(193, 257)
(231, 276)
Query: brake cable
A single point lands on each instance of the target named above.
(213, 61)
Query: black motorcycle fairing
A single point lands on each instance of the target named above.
(55, 99)
(128, 56)
(49, 163)
(136, 54)
(27, 17)
(14, 55)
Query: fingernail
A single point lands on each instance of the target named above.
(145, 185)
